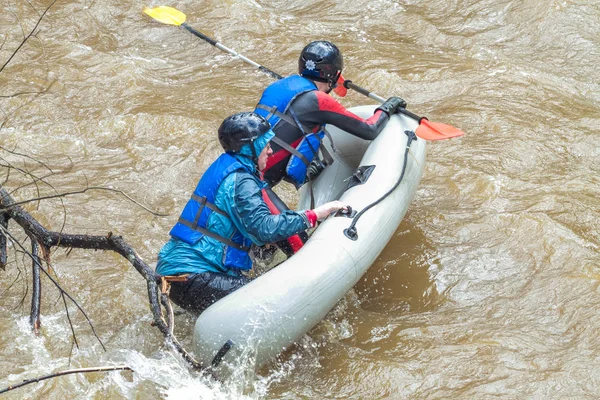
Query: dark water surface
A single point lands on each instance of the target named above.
(489, 288)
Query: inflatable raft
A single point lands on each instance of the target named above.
(257, 322)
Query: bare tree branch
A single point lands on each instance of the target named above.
(10, 96)
(156, 295)
(10, 167)
(67, 372)
(62, 291)
(34, 9)
(3, 42)
(28, 36)
(15, 153)
(85, 190)
(37, 93)
(3, 243)
(35, 179)
(36, 295)
(8, 115)
(71, 324)
(12, 283)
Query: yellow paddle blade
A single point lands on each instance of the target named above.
(166, 15)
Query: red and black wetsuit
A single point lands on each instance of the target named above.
(315, 109)
(302, 104)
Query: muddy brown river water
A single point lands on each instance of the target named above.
(490, 286)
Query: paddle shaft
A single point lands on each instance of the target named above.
(230, 51)
(380, 99)
(347, 84)
(429, 132)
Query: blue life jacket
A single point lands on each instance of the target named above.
(273, 105)
(193, 221)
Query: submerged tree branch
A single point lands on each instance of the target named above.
(67, 372)
(36, 295)
(3, 248)
(10, 96)
(48, 239)
(62, 291)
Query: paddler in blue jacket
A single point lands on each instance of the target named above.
(225, 215)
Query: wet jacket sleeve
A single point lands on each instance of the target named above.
(318, 108)
(252, 217)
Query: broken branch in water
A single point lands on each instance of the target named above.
(66, 372)
(48, 239)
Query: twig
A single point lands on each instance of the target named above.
(3, 248)
(67, 372)
(10, 96)
(8, 115)
(71, 324)
(15, 153)
(85, 190)
(27, 37)
(35, 180)
(36, 93)
(10, 167)
(12, 283)
(34, 9)
(16, 242)
(3, 42)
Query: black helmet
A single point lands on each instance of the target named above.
(239, 129)
(321, 61)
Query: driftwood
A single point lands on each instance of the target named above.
(157, 286)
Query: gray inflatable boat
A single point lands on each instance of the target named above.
(244, 330)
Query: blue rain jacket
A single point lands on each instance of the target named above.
(193, 221)
(239, 196)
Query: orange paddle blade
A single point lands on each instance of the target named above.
(340, 89)
(436, 130)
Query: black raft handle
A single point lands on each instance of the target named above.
(348, 213)
(221, 353)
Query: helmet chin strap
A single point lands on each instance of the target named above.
(333, 84)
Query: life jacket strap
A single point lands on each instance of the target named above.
(286, 146)
(202, 201)
(194, 225)
(326, 156)
(213, 235)
(274, 111)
